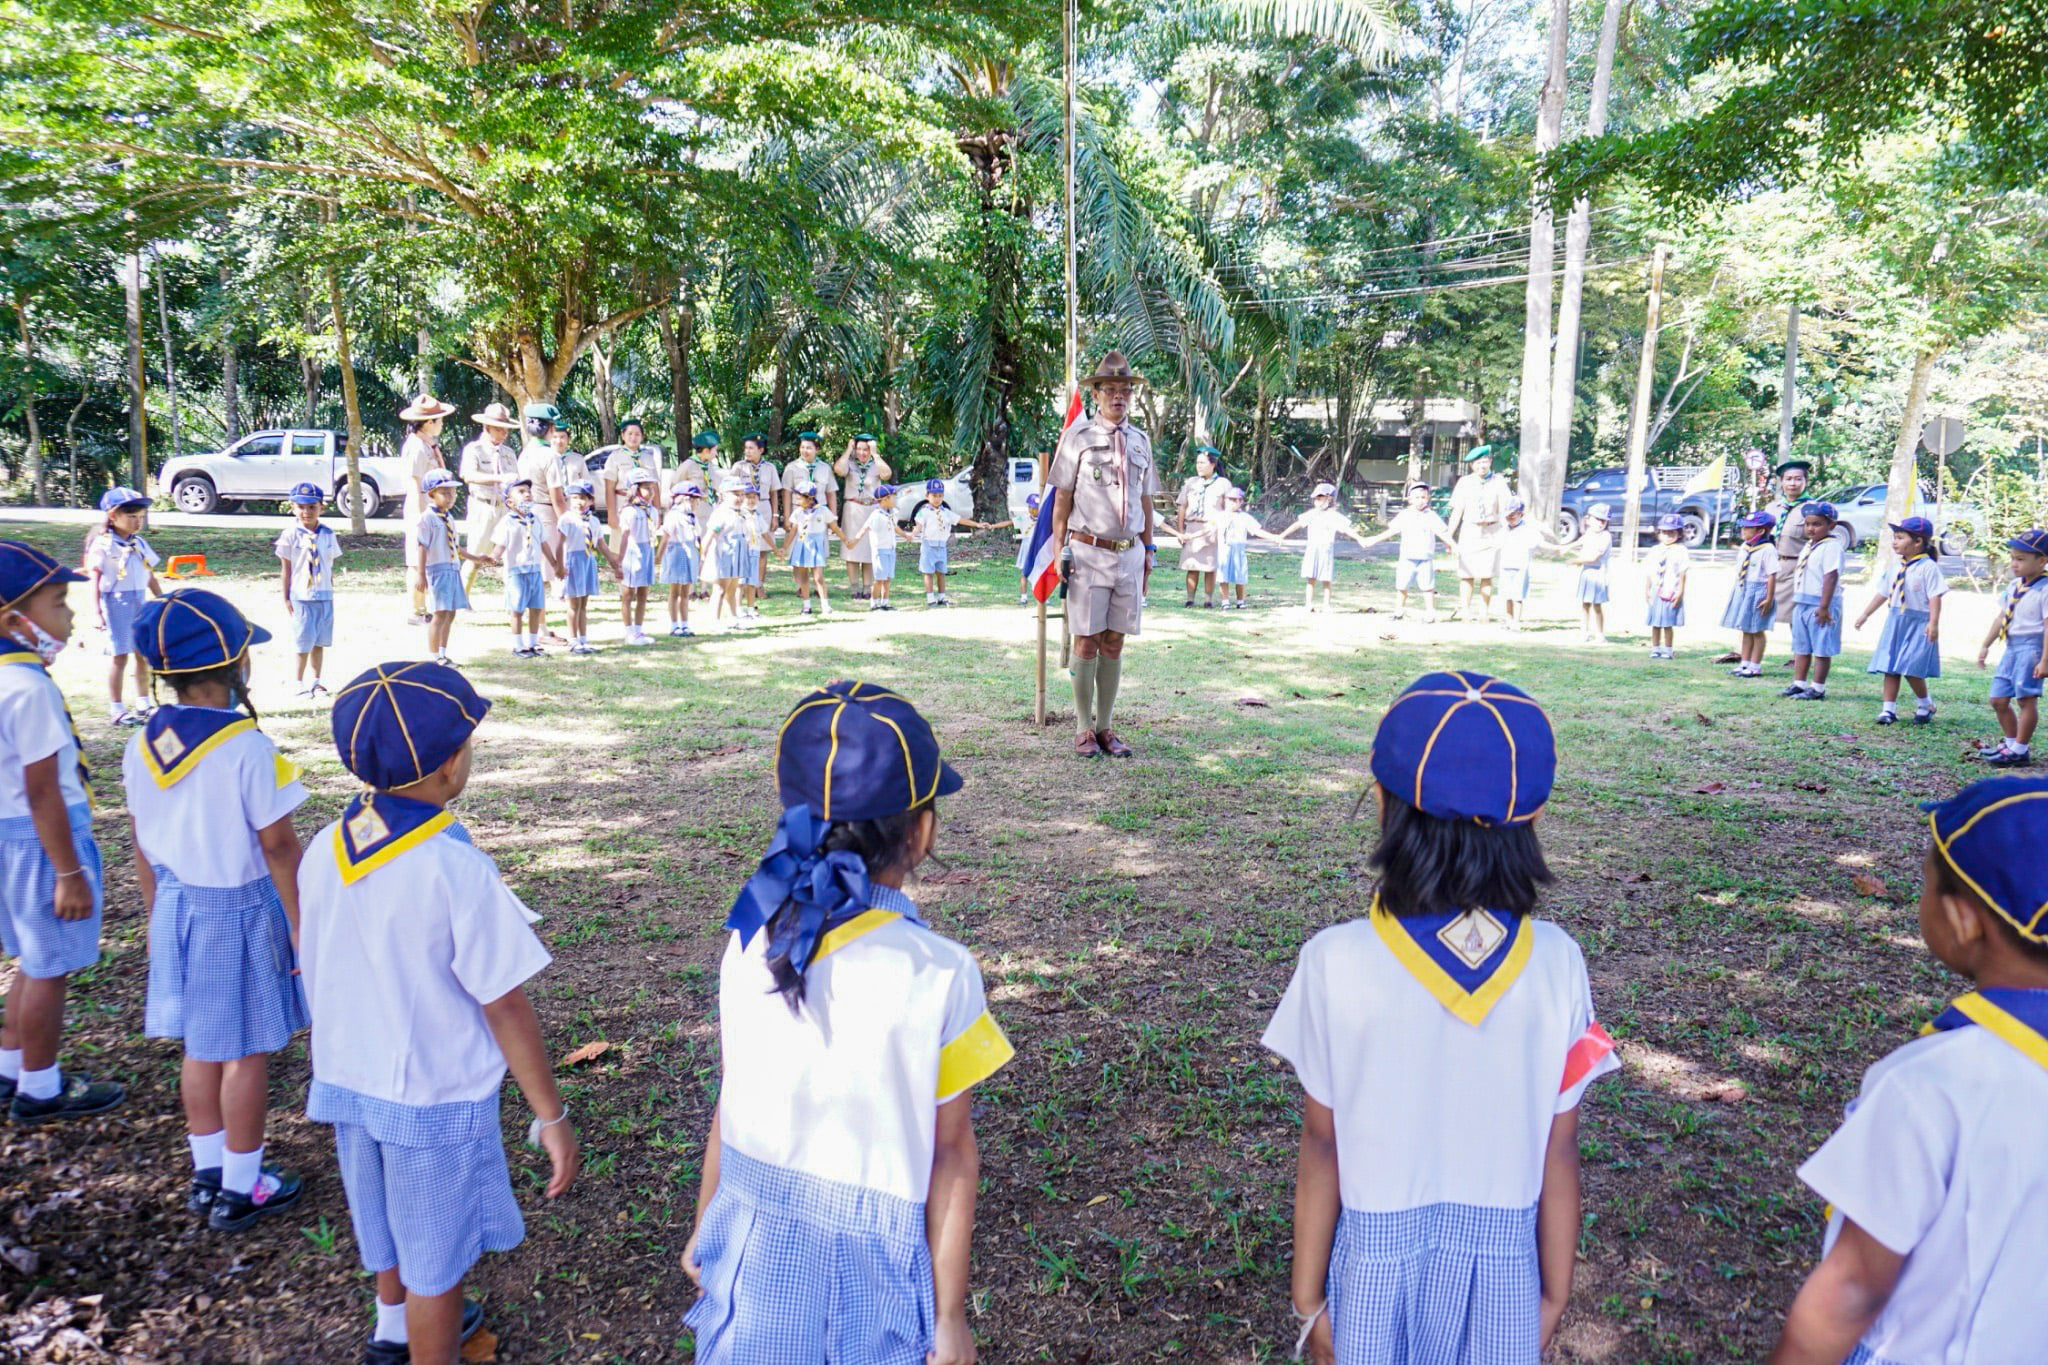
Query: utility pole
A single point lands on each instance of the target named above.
(1788, 397)
(1639, 425)
(138, 418)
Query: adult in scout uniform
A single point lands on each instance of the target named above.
(420, 456)
(488, 463)
(632, 452)
(1199, 505)
(540, 463)
(863, 471)
(700, 467)
(1479, 514)
(755, 468)
(810, 466)
(1104, 481)
(1793, 476)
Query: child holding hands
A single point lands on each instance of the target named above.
(1910, 646)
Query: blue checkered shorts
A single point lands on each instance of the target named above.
(428, 1188)
(312, 623)
(1809, 636)
(120, 609)
(2015, 675)
(1446, 1284)
(220, 970)
(525, 589)
(931, 558)
(444, 588)
(47, 947)
(885, 563)
(798, 1268)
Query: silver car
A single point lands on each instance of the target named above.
(1958, 526)
(265, 466)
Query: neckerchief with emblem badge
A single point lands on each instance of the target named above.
(1749, 552)
(593, 534)
(125, 548)
(2018, 1017)
(376, 827)
(1467, 959)
(176, 738)
(13, 651)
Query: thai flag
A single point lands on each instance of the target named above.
(1038, 561)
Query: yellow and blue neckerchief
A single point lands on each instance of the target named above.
(376, 827)
(127, 547)
(177, 738)
(1749, 552)
(13, 651)
(1899, 583)
(2019, 589)
(1467, 959)
(2018, 1017)
(311, 541)
(447, 529)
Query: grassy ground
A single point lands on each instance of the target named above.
(1136, 922)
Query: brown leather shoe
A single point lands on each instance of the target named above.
(1085, 745)
(1111, 745)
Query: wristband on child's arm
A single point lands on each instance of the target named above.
(540, 1125)
(74, 872)
(1307, 1323)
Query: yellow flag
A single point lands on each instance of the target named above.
(1708, 480)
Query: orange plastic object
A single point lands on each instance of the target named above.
(188, 566)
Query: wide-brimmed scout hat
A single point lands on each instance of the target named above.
(1113, 369)
(495, 415)
(426, 408)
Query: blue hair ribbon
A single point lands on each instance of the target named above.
(824, 889)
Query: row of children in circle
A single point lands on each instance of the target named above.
(836, 1212)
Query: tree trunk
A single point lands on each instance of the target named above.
(778, 403)
(163, 322)
(1899, 483)
(71, 441)
(1546, 482)
(38, 483)
(349, 405)
(607, 397)
(1415, 423)
(309, 370)
(1003, 215)
(677, 323)
(1262, 447)
(138, 383)
(231, 390)
(1564, 378)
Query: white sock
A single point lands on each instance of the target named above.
(207, 1149)
(2012, 744)
(1821, 688)
(42, 1085)
(391, 1323)
(239, 1171)
(1890, 708)
(1925, 706)
(10, 1063)
(114, 709)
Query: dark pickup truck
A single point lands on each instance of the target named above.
(1699, 510)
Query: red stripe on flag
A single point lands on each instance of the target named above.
(1593, 1046)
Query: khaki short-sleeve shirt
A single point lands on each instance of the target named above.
(1109, 495)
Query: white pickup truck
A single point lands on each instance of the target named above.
(264, 466)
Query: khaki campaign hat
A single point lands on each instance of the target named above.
(1113, 369)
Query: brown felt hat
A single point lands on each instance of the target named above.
(1114, 369)
(425, 408)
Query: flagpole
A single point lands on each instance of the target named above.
(1067, 36)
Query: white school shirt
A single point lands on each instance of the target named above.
(122, 567)
(881, 529)
(1517, 545)
(1816, 562)
(1757, 564)
(1323, 525)
(935, 524)
(1587, 541)
(581, 535)
(726, 521)
(1924, 583)
(1237, 527)
(2031, 616)
(33, 726)
(1430, 1109)
(520, 540)
(1665, 567)
(1419, 530)
(639, 520)
(203, 824)
(1943, 1158)
(295, 546)
(680, 524)
(436, 535)
(399, 964)
(809, 521)
(894, 1024)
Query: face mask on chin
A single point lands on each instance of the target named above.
(46, 645)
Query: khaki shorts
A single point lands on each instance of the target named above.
(482, 520)
(1104, 590)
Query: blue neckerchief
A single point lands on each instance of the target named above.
(376, 827)
(13, 651)
(827, 889)
(1468, 965)
(2018, 1017)
(176, 738)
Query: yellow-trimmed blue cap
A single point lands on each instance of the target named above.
(396, 723)
(1464, 746)
(191, 629)
(855, 751)
(24, 568)
(1990, 833)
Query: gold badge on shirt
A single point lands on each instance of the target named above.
(1473, 937)
(167, 747)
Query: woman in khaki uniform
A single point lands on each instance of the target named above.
(1201, 506)
(863, 471)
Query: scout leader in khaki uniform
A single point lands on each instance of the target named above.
(1479, 514)
(488, 464)
(1104, 482)
(1792, 480)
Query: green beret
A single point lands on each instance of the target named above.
(1478, 453)
(1803, 466)
(704, 440)
(865, 436)
(809, 436)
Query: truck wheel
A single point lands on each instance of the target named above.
(1957, 538)
(1567, 525)
(344, 501)
(195, 494)
(1695, 530)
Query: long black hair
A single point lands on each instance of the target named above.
(229, 674)
(1432, 866)
(882, 844)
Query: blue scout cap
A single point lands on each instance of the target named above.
(544, 412)
(934, 485)
(1671, 521)
(1600, 511)
(855, 751)
(521, 482)
(887, 490)
(809, 436)
(396, 723)
(1463, 746)
(806, 489)
(1991, 833)
(2029, 542)
(193, 629)
(1033, 501)
(693, 491)
(705, 440)
(1758, 520)
(1234, 495)
(636, 476)
(24, 568)
(729, 484)
(307, 495)
(1517, 505)
(437, 478)
(678, 493)
(116, 498)
(1478, 453)
(1915, 526)
(1326, 490)
(582, 488)
(1824, 510)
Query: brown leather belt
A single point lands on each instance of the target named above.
(1118, 546)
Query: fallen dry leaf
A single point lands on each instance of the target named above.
(1811, 786)
(1703, 718)
(482, 1347)
(1712, 789)
(1253, 701)
(584, 1054)
(1735, 1092)
(1637, 877)
(1869, 885)
(961, 878)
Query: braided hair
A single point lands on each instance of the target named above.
(228, 675)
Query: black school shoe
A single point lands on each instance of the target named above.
(398, 1353)
(234, 1212)
(205, 1189)
(2008, 759)
(7, 1086)
(81, 1098)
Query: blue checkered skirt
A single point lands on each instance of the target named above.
(1903, 648)
(1233, 564)
(750, 565)
(444, 588)
(312, 623)
(428, 1188)
(220, 970)
(47, 947)
(808, 552)
(802, 1269)
(678, 564)
(1809, 636)
(579, 577)
(525, 589)
(2015, 674)
(1663, 614)
(1319, 563)
(728, 557)
(120, 609)
(932, 558)
(1745, 612)
(636, 565)
(1445, 1284)
(1593, 585)
(1863, 1355)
